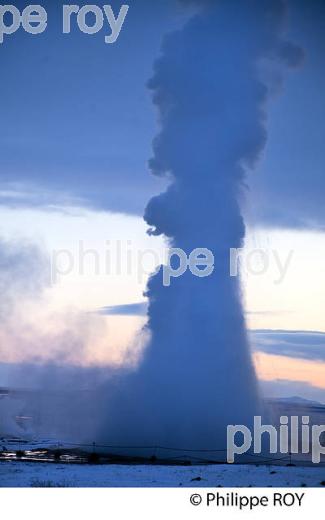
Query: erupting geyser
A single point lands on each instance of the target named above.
(196, 375)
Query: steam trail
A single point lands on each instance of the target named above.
(197, 376)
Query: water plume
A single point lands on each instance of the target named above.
(210, 85)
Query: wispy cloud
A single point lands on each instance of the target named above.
(294, 344)
(127, 309)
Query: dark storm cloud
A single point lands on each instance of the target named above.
(78, 120)
(76, 117)
(288, 190)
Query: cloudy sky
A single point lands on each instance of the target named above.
(75, 139)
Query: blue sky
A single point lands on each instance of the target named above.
(75, 140)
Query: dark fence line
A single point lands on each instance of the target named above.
(118, 447)
(188, 454)
(262, 459)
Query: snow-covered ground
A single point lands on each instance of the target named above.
(29, 474)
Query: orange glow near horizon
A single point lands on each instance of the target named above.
(271, 367)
